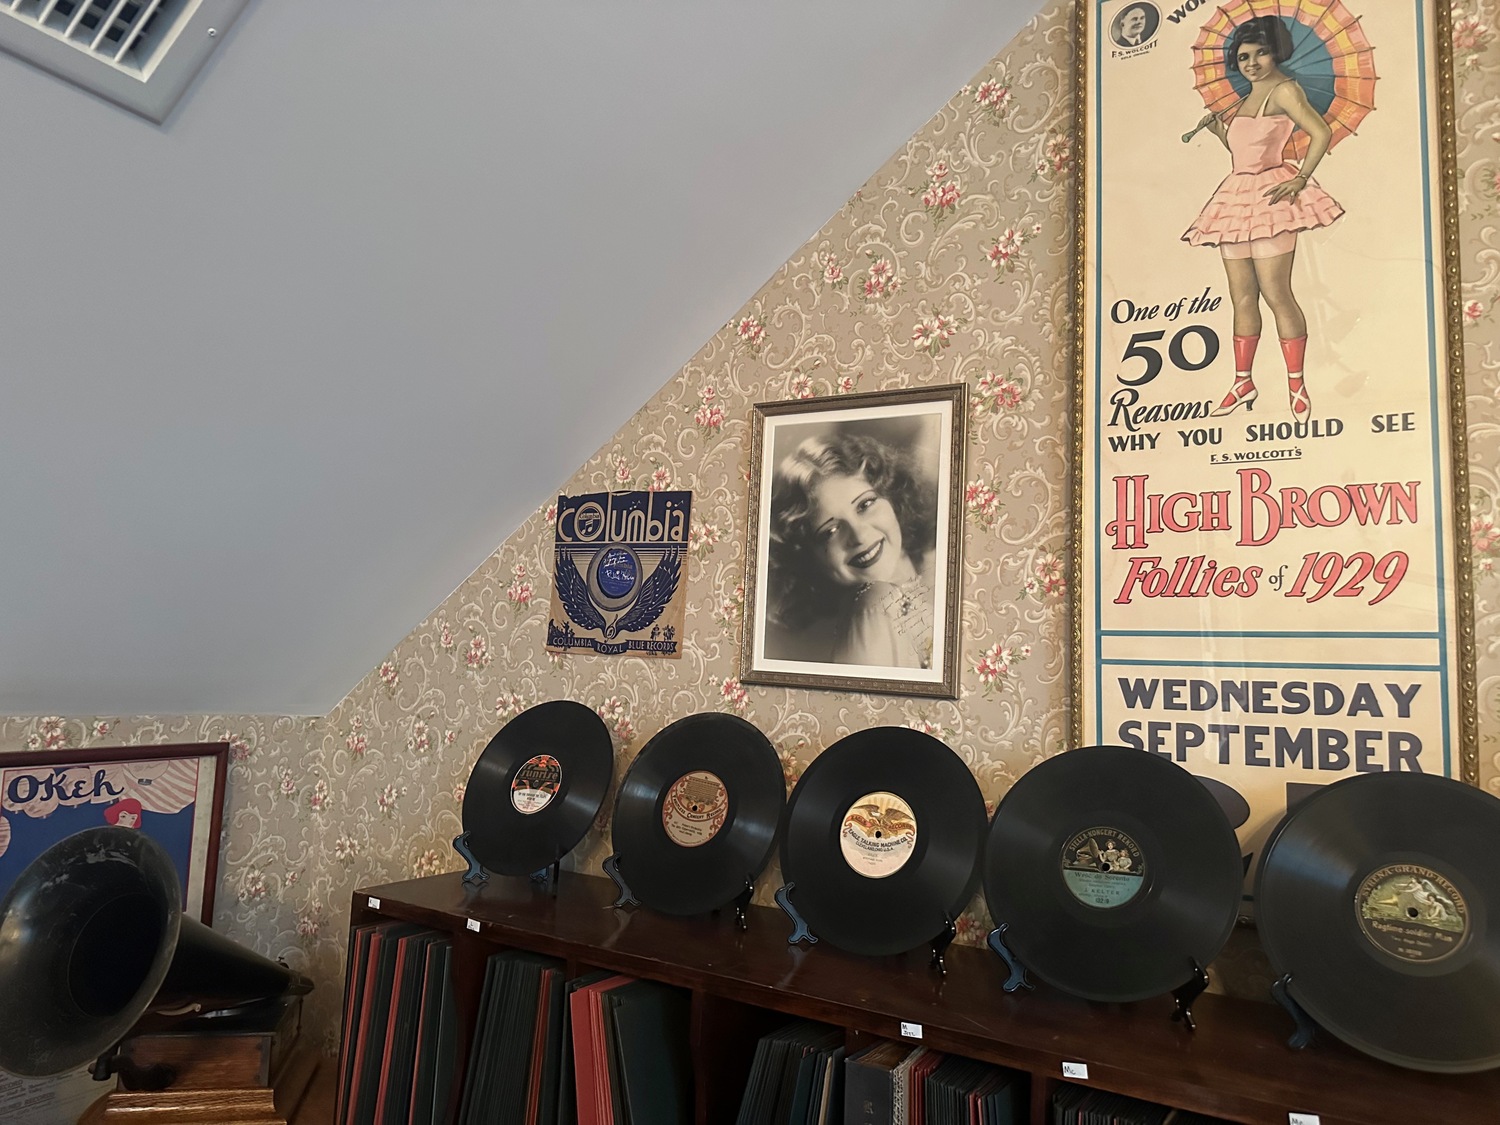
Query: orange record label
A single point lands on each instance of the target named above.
(695, 809)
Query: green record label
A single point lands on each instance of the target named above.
(1412, 913)
(535, 784)
(1103, 867)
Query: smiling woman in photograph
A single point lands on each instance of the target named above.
(853, 531)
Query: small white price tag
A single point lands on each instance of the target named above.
(374, 903)
(474, 925)
(1303, 1119)
(911, 1030)
(1076, 1070)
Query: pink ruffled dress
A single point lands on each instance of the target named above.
(1239, 210)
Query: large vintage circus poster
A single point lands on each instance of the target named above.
(1269, 424)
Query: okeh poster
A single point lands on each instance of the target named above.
(173, 794)
(1268, 592)
(619, 573)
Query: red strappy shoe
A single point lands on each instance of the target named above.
(1242, 393)
(1298, 397)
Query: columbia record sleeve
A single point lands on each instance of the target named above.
(619, 563)
(1114, 870)
(881, 840)
(1374, 895)
(697, 813)
(537, 787)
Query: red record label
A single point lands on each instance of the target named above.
(535, 784)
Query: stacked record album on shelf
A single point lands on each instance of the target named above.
(803, 1075)
(398, 1059)
(1077, 1105)
(1111, 874)
(599, 1049)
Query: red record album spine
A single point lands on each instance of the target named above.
(917, 1102)
(588, 1060)
(538, 1051)
(583, 1058)
(372, 961)
(383, 1091)
(411, 1101)
(600, 1047)
(358, 951)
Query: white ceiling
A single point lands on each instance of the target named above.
(276, 376)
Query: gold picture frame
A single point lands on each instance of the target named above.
(874, 608)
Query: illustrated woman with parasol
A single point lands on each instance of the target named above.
(1254, 75)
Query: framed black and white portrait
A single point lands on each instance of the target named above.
(852, 576)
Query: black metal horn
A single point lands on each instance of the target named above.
(92, 937)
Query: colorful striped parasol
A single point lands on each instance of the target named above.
(1331, 59)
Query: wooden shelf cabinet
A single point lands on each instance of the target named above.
(1235, 1066)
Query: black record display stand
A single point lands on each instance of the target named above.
(696, 817)
(626, 899)
(1114, 876)
(881, 844)
(801, 932)
(1017, 978)
(743, 983)
(1373, 898)
(534, 793)
(477, 875)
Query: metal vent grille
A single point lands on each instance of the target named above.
(123, 33)
(140, 54)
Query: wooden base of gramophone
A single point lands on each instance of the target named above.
(235, 1070)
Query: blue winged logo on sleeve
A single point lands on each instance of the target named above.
(573, 592)
(656, 593)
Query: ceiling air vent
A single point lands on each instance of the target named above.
(140, 54)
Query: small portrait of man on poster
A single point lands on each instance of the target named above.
(1135, 26)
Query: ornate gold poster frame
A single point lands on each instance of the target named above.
(1272, 593)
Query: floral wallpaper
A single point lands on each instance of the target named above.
(950, 264)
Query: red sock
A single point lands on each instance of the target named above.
(1244, 353)
(1294, 350)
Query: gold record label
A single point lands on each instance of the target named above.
(1103, 867)
(1412, 913)
(535, 784)
(878, 835)
(695, 809)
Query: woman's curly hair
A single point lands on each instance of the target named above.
(1264, 31)
(798, 586)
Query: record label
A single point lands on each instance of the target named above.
(535, 784)
(695, 809)
(1103, 867)
(1412, 913)
(878, 835)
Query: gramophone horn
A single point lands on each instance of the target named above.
(92, 937)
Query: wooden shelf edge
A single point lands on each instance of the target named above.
(1236, 1065)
